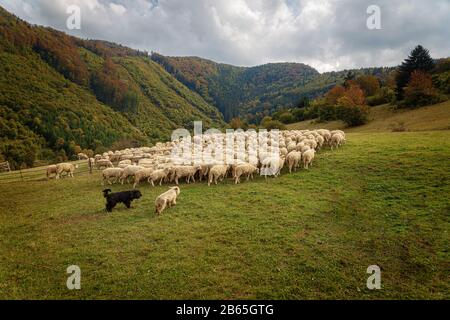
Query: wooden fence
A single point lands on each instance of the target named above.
(38, 173)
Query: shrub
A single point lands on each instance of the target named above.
(384, 95)
(353, 115)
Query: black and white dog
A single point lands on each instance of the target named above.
(125, 197)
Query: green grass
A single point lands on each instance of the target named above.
(381, 199)
(385, 118)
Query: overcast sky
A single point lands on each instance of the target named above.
(326, 34)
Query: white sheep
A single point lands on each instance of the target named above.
(111, 173)
(217, 172)
(69, 168)
(124, 163)
(293, 159)
(160, 174)
(246, 170)
(104, 163)
(167, 199)
(128, 172)
(187, 172)
(141, 175)
(308, 158)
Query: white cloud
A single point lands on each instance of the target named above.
(327, 34)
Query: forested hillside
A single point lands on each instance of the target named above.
(60, 94)
(255, 92)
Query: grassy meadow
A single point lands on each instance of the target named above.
(383, 198)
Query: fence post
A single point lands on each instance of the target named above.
(90, 165)
(21, 175)
(7, 164)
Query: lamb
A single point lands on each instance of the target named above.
(244, 169)
(160, 175)
(293, 159)
(111, 173)
(184, 171)
(104, 163)
(167, 199)
(308, 158)
(218, 171)
(141, 174)
(128, 172)
(52, 169)
(69, 168)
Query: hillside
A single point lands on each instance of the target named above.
(385, 118)
(59, 94)
(254, 92)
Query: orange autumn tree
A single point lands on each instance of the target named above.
(420, 90)
(332, 96)
(351, 107)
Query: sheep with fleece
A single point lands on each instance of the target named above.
(187, 172)
(109, 173)
(166, 199)
(336, 140)
(141, 175)
(308, 157)
(293, 159)
(82, 156)
(69, 168)
(272, 166)
(246, 170)
(128, 172)
(217, 172)
(160, 174)
(104, 163)
(124, 163)
(52, 169)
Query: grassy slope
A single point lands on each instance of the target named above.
(384, 118)
(381, 199)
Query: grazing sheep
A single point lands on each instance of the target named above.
(217, 172)
(308, 158)
(167, 199)
(104, 163)
(141, 175)
(82, 156)
(52, 169)
(128, 172)
(244, 169)
(293, 159)
(111, 173)
(160, 175)
(69, 168)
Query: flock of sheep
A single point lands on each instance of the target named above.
(245, 157)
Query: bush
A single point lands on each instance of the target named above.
(286, 117)
(384, 95)
(353, 115)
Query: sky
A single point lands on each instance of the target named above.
(329, 35)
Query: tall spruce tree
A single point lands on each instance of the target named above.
(419, 59)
